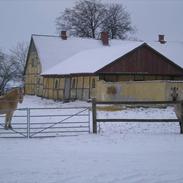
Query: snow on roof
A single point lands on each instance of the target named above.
(89, 61)
(171, 50)
(53, 50)
(83, 55)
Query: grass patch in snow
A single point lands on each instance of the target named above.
(113, 108)
(110, 108)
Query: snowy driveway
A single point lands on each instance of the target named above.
(93, 158)
(129, 153)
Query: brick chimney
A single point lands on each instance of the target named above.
(161, 38)
(105, 38)
(63, 35)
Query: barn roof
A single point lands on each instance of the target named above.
(83, 55)
(53, 50)
(89, 61)
(172, 50)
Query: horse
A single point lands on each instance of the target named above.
(179, 113)
(8, 104)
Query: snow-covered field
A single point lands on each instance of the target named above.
(129, 153)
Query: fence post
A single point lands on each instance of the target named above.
(94, 115)
(181, 117)
(28, 123)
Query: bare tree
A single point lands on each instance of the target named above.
(12, 65)
(18, 56)
(117, 22)
(83, 20)
(89, 17)
(7, 70)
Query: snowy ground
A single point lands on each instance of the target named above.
(129, 153)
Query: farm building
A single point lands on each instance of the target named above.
(63, 68)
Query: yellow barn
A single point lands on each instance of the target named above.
(63, 68)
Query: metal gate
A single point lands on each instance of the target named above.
(47, 122)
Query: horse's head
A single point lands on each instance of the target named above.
(16, 94)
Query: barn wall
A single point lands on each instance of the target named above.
(131, 90)
(81, 87)
(139, 90)
(53, 88)
(33, 80)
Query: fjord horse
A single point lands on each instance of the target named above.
(179, 114)
(8, 104)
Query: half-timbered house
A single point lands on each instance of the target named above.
(64, 68)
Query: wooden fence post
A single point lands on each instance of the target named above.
(181, 117)
(94, 115)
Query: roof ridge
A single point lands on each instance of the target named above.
(86, 38)
(71, 37)
(45, 35)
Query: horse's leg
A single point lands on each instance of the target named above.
(10, 118)
(6, 121)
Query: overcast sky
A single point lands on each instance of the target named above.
(21, 18)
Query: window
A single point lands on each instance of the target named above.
(56, 84)
(73, 83)
(93, 83)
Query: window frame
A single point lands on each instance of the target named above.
(93, 83)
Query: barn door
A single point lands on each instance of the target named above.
(67, 88)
